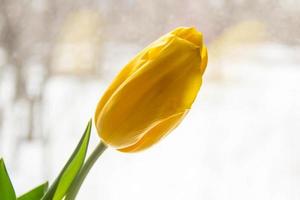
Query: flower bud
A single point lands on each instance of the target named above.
(153, 92)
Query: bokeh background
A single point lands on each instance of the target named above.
(240, 140)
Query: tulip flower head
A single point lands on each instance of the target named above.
(153, 92)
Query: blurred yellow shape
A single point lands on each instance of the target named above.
(245, 32)
(77, 51)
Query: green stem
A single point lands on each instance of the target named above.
(76, 184)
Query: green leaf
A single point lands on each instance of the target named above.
(7, 191)
(36, 193)
(62, 183)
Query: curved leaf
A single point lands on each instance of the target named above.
(62, 183)
(36, 193)
(7, 191)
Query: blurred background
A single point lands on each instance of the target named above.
(240, 140)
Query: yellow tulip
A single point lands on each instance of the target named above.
(153, 92)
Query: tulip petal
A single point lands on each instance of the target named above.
(145, 55)
(189, 34)
(156, 133)
(204, 59)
